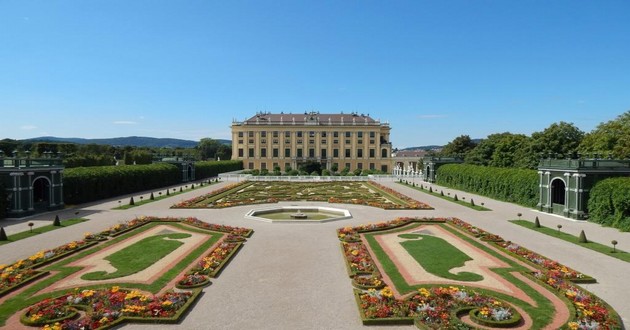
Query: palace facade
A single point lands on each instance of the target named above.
(287, 140)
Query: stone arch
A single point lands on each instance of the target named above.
(428, 174)
(190, 176)
(558, 191)
(41, 192)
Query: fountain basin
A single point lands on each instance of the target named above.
(298, 214)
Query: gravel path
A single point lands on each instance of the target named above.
(292, 276)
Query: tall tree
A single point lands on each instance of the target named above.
(459, 147)
(611, 137)
(208, 148)
(507, 149)
(482, 153)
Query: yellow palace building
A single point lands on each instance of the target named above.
(353, 141)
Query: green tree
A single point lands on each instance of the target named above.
(611, 137)
(506, 150)
(459, 147)
(482, 153)
(208, 148)
(560, 139)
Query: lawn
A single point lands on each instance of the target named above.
(41, 230)
(554, 232)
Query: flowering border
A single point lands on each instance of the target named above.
(224, 252)
(590, 311)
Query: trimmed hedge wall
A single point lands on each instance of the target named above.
(3, 201)
(210, 169)
(609, 203)
(86, 184)
(512, 185)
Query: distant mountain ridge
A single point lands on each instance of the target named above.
(135, 141)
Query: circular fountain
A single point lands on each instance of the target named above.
(298, 214)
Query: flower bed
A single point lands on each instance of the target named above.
(197, 201)
(238, 231)
(104, 308)
(190, 281)
(14, 275)
(212, 264)
(436, 307)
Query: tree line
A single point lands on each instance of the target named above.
(609, 139)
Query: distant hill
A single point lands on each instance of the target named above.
(136, 141)
(435, 147)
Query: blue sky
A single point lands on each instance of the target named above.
(433, 70)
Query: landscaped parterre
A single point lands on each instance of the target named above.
(248, 192)
(126, 273)
(441, 273)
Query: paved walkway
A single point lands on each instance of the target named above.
(292, 276)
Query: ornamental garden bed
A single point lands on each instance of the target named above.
(249, 193)
(138, 267)
(446, 273)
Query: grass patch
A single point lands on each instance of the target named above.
(448, 198)
(138, 256)
(29, 296)
(541, 315)
(41, 230)
(172, 192)
(597, 247)
(423, 247)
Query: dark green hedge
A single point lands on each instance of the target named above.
(609, 203)
(86, 184)
(213, 168)
(3, 201)
(512, 185)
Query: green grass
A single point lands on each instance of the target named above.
(541, 315)
(448, 198)
(41, 230)
(30, 295)
(172, 193)
(138, 256)
(598, 247)
(422, 248)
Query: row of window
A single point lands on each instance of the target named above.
(276, 166)
(300, 141)
(275, 153)
(300, 134)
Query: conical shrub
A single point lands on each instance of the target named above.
(455, 198)
(131, 202)
(3, 235)
(582, 238)
(56, 222)
(537, 223)
(152, 197)
(472, 202)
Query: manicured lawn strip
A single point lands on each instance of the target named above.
(138, 256)
(41, 230)
(601, 248)
(448, 198)
(423, 251)
(156, 198)
(540, 316)
(26, 298)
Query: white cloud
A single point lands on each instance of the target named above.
(28, 127)
(431, 116)
(124, 122)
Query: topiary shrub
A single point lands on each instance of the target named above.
(537, 223)
(56, 222)
(131, 201)
(152, 197)
(472, 202)
(3, 235)
(455, 198)
(582, 238)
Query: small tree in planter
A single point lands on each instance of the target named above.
(614, 244)
(559, 227)
(519, 215)
(582, 237)
(30, 224)
(131, 201)
(537, 223)
(56, 222)
(3, 235)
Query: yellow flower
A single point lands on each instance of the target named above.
(387, 292)
(167, 303)
(115, 289)
(354, 252)
(87, 293)
(35, 317)
(424, 292)
(104, 320)
(573, 325)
